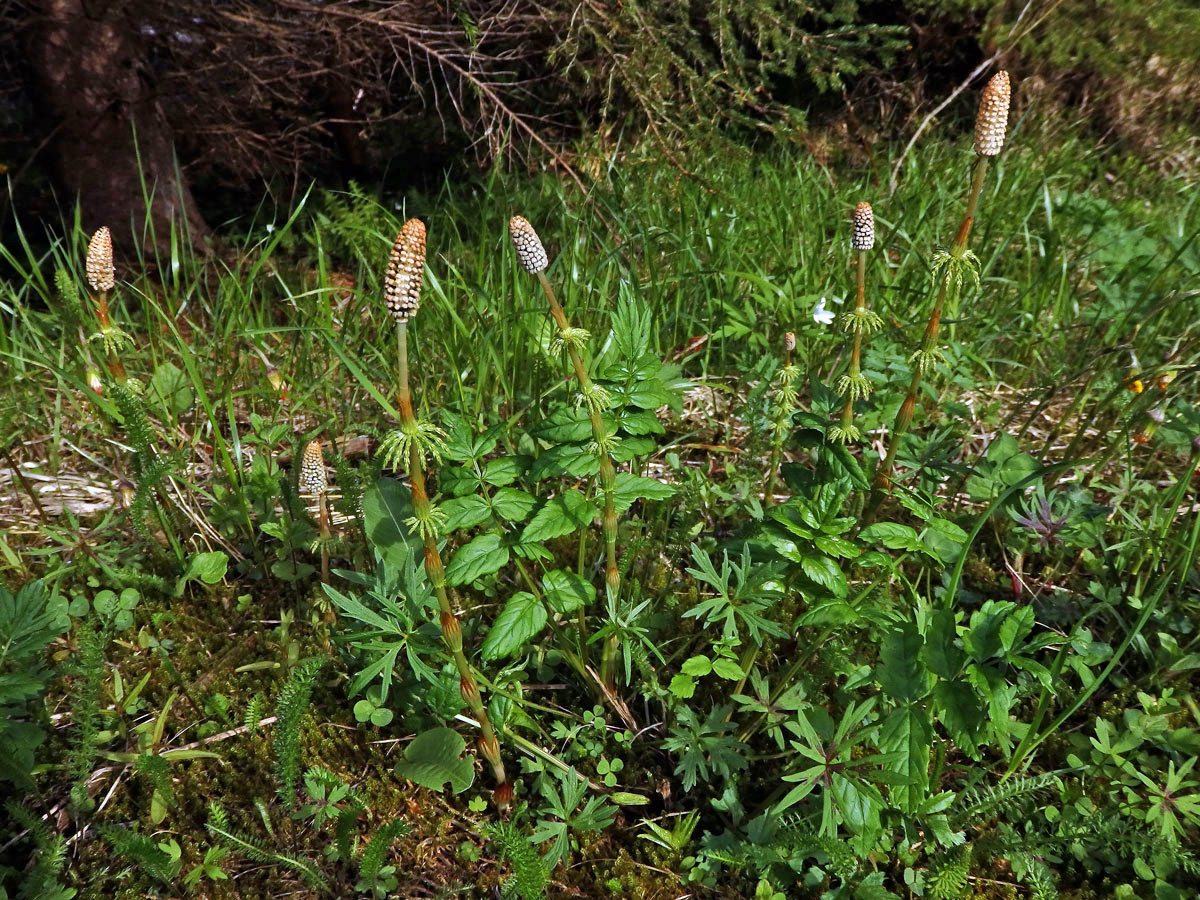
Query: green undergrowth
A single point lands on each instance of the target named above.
(971, 680)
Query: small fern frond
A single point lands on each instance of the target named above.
(377, 848)
(290, 708)
(530, 875)
(255, 850)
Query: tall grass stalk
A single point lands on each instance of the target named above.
(949, 268)
(402, 291)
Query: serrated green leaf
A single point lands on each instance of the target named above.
(465, 512)
(512, 504)
(481, 556)
(522, 618)
(825, 572)
(891, 535)
(566, 592)
(567, 512)
(635, 487)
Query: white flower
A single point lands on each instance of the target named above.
(821, 315)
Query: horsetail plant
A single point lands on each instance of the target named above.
(101, 275)
(532, 256)
(860, 321)
(408, 446)
(314, 483)
(784, 398)
(950, 265)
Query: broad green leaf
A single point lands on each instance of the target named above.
(434, 759)
(683, 686)
(982, 639)
(386, 506)
(482, 555)
(900, 672)
(825, 572)
(513, 504)
(697, 666)
(567, 512)
(170, 387)
(906, 737)
(727, 668)
(629, 447)
(465, 512)
(941, 652)
(959, 711)
(522, 618)
(891, 535)
(503, 471)
(635, 487)
(207, 567)
(573, 459)
(566, 591)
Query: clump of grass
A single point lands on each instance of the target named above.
(860, 321)
(409, 445)
(533, 258)
(951, 265)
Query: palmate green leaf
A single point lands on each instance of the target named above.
(522, 619)
(481, 556)
(941, 652)
(434, 758)
(567, 512)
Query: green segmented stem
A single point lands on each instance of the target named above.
(608, 473)
(489, 746)
(860, 306)
(883, 475)
(782, 412)
(115, 366)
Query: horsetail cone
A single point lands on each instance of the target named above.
(312, 470)
(530, 252)
(864, 228)
(991, 123)
(405, 271)
(99, 267)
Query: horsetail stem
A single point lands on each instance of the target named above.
(861, 321)
(402, 293)
(532, 256)
(101, 275)
(313, 482)
(784, 396)
(991, 124)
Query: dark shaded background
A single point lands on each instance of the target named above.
(207, 105)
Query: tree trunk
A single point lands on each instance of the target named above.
(113, 148)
